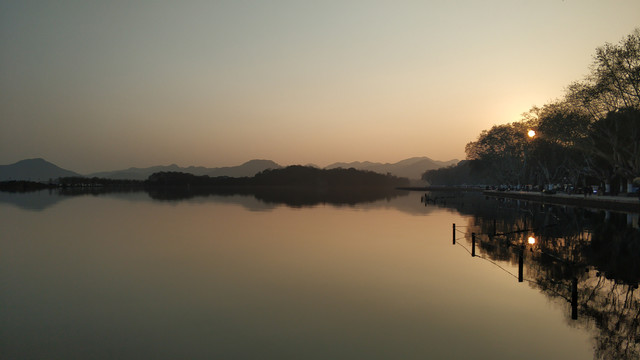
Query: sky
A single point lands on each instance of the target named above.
(106, 85)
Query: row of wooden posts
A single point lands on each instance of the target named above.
(574, 281)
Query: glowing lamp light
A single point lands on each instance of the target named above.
(531, 240)
(531, 133)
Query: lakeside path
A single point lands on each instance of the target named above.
(605, 202)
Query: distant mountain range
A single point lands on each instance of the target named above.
(42, 171)
(38, 170)
(250, 168)
(411, 168)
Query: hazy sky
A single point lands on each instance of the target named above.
(104, 85)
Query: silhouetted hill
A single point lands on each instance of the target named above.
(249, 168)
(411, 168)
(291, 176)
(326, 178)
(134, 173)
(41, 170)
(294, 185)
(33, 170)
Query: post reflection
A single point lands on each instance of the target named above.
(588, 259)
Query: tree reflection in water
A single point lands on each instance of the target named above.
(588, 258)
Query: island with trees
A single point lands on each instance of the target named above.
(293, 185)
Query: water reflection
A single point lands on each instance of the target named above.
(589, 260)
(290, 196)
(128, 272)
(257, 199)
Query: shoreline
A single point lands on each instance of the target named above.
(441, 188)
(602, 202)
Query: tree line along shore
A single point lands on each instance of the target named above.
(589, 138)
(291, 176)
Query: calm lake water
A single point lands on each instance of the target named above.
(128, 276)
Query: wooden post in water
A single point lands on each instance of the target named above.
(454, 233)
(473, 244)
(574, 299)
(521, 264)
